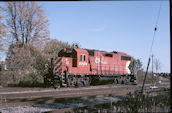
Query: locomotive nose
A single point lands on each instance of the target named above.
(57, 65)
(128, 67)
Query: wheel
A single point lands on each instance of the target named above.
(79, 84)
(86, 81)
(71, 82)
(127, 80)
(115, 81)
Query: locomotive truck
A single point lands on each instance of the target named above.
(83, 67)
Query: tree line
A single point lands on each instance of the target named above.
(25, 38)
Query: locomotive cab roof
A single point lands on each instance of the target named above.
(71, 52)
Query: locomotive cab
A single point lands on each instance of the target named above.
(70, 53)
(74, 61)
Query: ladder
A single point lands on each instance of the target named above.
(63, 80)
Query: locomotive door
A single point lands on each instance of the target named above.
(74, 59)
(74, 62)
(97, 61)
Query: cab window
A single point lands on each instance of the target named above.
(82, 57)
(125, 58)
(108, 55)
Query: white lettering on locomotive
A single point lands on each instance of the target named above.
(97, 60)
(83, 63)
(67, 62)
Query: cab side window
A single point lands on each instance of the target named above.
(82, 57)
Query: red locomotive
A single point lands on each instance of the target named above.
(80, 67)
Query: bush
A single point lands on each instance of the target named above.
(32, 78)
(41, 61)
(145, 103)
(133, 103)
(6, 77)
(53, 47)
(28, 80)
(26, 64)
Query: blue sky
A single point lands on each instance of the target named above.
(125, 26)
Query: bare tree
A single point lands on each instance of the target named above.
(21, 60)
(2, 32)
(157, 64)
(27, 23)
(138, 64)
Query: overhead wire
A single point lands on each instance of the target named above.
(155, 29)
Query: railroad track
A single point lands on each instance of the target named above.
(30, 97)
(63, 91)
(55, 92)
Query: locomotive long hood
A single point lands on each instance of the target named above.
(92, 62)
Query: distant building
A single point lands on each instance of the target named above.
(3, 65)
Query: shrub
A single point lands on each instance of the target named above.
(6, 77)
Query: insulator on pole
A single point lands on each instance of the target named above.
(155, 28)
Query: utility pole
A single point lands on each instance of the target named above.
(152, 69)
(170, 5)
(145, 76)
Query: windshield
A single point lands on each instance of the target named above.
(66, 53)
